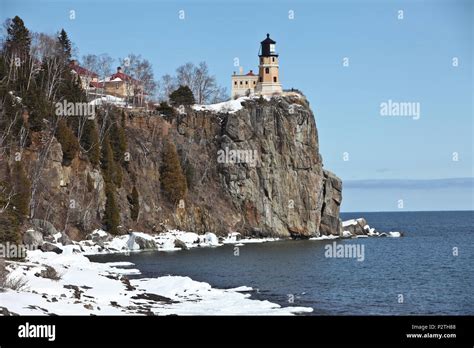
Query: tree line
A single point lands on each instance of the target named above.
(35, 73)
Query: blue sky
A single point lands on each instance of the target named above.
(408, 60)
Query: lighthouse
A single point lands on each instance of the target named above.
(268, 73)
(267, 82)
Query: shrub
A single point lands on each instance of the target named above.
(182, 96)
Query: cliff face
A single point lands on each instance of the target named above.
(256, 170)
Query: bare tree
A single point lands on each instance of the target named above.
(199, 80)
(100, 64)
(167, 85)
(141, 70)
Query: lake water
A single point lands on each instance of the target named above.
(415, 274)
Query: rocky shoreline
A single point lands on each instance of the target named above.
(58, 278)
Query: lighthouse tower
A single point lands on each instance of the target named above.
(268, 77)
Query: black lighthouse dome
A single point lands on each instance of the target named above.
(267, 48)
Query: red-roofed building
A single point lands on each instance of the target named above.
(86, 76)
(124, 86)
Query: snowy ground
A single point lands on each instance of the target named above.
(89, 288)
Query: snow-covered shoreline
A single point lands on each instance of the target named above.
(83, 287)
(90, 288)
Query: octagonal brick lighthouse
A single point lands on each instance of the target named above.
(267, 82)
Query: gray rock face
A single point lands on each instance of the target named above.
(285, 191)
(330, 221)
(33, 238)
(256, 171)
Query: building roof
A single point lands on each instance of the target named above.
(268, 40)
(120, 76)
(96, 84)
(250, 73)
(82, 71)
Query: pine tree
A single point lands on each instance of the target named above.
(118, 140)
(22, 188)
(9, 219)
(17, 49)
(107, 160)
(134, 204)
(173, 181)
(66, 45)
(90, 142)
(111, 169)
(111, 214)
(68, 141)
(182, 96)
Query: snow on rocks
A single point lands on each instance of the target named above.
(237, 239)
(230, 106)
(88, 288)
(358, 228)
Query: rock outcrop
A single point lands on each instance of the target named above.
(256, 170)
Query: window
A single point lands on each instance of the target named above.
(246, 82)
(272, 48)
(274, 79)
(240, 82)
(254, 82)
(235, 83)
(259, 79)
(267, 70)
(273, 59)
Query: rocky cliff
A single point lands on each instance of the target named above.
(254, 168)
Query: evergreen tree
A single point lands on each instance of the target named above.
(66, 45)
(111, 214)
(9, 219)
(112, 170)
(182, 96)
(22, 189)
(90, 142)
(167, 111)
(173, 181)
(17, 49)
(118, 140)
(39, 108)
(107, 160)
(134, 204)
(68, 141)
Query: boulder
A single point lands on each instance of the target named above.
(64, 239)
(356, 227)
(33, 238)
(140, 241)
(49, 247)
(180, 244)
(99, 237)
(45, 227)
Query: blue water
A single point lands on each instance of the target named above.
(418, 270)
